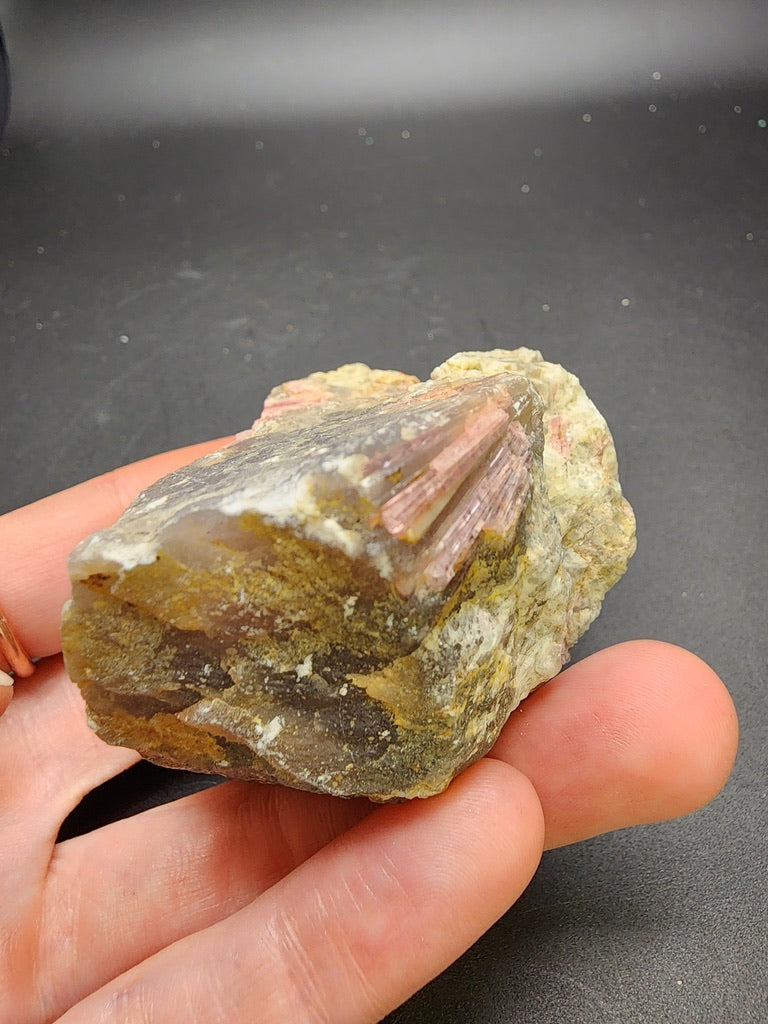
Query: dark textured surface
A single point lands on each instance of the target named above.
(155, 284)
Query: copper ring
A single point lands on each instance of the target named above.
(11, 650)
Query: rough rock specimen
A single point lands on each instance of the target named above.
(354, 595)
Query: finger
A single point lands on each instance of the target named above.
(50, 760)
(637, 733)
(356, 929)
(611, 742)
(35, 542)
(201, 859)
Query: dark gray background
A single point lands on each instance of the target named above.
(159, 275)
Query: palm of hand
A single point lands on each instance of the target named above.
(247, 899)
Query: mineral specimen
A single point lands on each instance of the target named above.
(353, 596)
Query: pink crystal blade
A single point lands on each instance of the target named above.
(389, 472)
(445, 473)
(485, 505)
(511, 466)
(493, 499)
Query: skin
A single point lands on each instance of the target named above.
(248, 902)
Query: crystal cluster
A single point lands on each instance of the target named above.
(353, 596)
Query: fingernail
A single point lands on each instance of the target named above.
(5, 679)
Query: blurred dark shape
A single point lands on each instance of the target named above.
(5, 86)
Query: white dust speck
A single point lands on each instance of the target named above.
(155, 143)
(652, 108)
(343, 689)
(38, 325)
(258, 144)
(750, 236)
(545, 307)
(121, 197)
(538, 151)
(702, 129)
(626, 302)
(124, 339)
(525, 188)
(586, 118)
(405, 134)
(656, 76)
(40, 250)
(323, 207)
(362, 132)
(737, 109)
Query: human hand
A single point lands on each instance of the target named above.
(246, 902)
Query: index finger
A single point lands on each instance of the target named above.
(35, 542)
